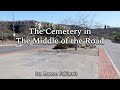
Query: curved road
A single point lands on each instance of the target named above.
(113, 49)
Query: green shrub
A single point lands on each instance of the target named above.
(116, 38)
(6, 34)
(60, 46)
(64, 46)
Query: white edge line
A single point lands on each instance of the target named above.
(113, 63)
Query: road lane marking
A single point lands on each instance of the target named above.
(115, 67)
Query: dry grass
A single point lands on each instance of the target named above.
(7, 42)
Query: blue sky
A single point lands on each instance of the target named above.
(111, 18)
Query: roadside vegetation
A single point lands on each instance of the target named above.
(81, 22)
(6, 34)
(116, 37)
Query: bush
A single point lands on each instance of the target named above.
(64, 46)
(6, 34)
(70, 45)
(116, 38)
(60, 46)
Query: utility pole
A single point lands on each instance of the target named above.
(76, 36)
(2, 32)
(13, 27)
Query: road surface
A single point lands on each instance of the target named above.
(17, 48)
(113, 49)
(29, 64)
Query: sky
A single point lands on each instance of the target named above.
(111, 18)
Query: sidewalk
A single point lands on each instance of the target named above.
(106, 69)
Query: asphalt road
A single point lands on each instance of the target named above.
(113, 49)
(17, 48)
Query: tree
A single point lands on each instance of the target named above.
(85, 21)
(3, 26)
(6, 34)
(116, 37)
(24, 30)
